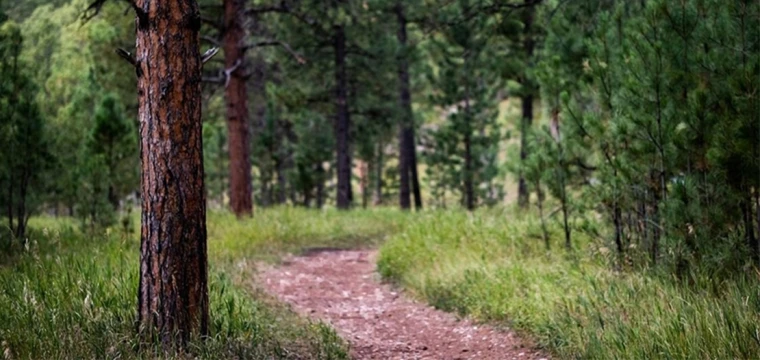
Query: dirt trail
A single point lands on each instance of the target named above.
(342, 288)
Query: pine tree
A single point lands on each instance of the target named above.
(468, 141)
(22, 133)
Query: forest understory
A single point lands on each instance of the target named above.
(490, 267)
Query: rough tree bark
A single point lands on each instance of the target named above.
(173, 292)
(236, 97)
(342, 120)
(529, 45)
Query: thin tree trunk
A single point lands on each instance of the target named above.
(364, 182)
(342, 120)
(749, 228)
(236, 96)
(12, 103)
(21, 209)
(10, 204)
(407, 148)
(282, 191)
(529, 44)
(265, 197)
(307, 194)
(525, 124)
(320, 172)
(26, 173)
(173, 292)
(403, 168)
(415, 178)
(617, 220)
(540, 204)
(655, 250)
(405, 103)
(469, 191)
(379, 164)
(557, 135)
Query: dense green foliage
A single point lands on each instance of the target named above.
(654, 124)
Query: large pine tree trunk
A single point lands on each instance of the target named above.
(236, 96)
(173, 293)
(342, 120)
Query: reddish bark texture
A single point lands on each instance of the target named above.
(236, 96)
(173, 293)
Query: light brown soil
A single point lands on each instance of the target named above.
(342, 289)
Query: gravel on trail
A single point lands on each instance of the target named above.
(342, 289)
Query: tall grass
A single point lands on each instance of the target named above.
(72, 295)
(273, 232)
(492, 266)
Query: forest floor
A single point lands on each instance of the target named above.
(342, 288)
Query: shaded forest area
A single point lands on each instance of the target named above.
(620, 133)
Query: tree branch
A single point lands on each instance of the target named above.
(210, 53)
(93, 10)
(126, 55)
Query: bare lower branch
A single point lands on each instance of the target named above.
(209, 54)
(93, 10)
(228, 72)
(126, 55)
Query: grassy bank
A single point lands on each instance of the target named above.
(493, 266)
(73, 295)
